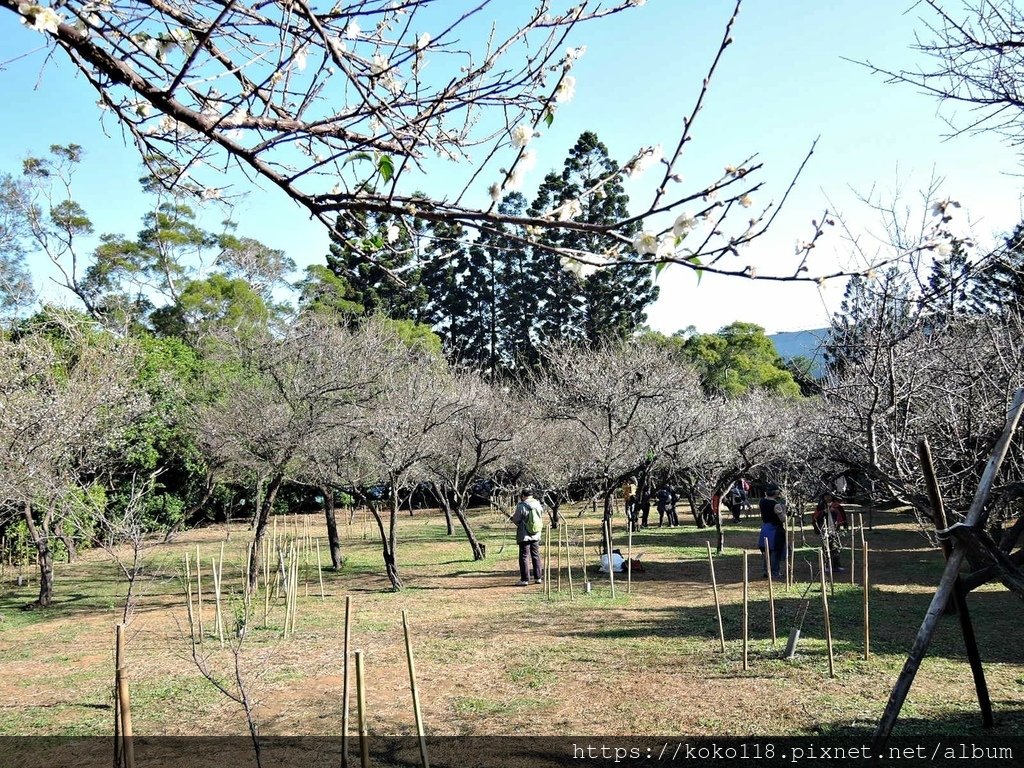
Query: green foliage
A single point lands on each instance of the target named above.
(217, 301)
(737, 359)
(416, 336)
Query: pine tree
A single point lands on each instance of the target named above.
(1000, 286)
(610, 303)
(948, 293)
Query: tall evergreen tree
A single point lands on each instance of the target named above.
(999, 287)
(610, 303)
(949, 285)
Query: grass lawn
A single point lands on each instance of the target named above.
(489, 654)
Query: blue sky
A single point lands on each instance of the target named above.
(783, 82)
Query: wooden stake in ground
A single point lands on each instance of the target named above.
(853, 552)
(718, 604)
(117, 697)
(824, 608)
(188, 595)
(124, 701)
(415, 692)
(558, 558)
(867, 613)
(771, 588)
(568, 563)
(218, 619)
(547, 561)
(199, 594)
(746, 609)
(364, 745)
(629, 558)
(608, 550)
(586, 579)
(320, 571)
(344, 685)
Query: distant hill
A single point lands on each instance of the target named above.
(809, 344)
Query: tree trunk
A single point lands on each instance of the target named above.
(333, 540)
(42, 544)
(69, 546)
(446, 507)
(474, 544)
(261, 528)
(695, 509)
(387, 543)
(607, 520)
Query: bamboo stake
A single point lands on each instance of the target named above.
(853, 552)
(746, 610)
(583, 523)
(547, 562)
(824, 607)
(364, 746)
(199, 594)
(124, 702)
(218, 571)
(320, 571)
(629, 559)
(188, 594)
(295, 587)
(867, 614)
(345, 683)
(117, 697)
(417, 714)
(771, 588)
(250, 552)
(266, 583)
(558, 558)
(568, 563)
(608, 549)
(718, 604)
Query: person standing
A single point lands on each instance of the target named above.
(529, 519)
(773, 530)
(829, 517)
(629, 501)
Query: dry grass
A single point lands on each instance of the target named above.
(489, 654)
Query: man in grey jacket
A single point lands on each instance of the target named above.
(529, 520)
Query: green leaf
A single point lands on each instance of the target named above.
(358, 156)
(386, 166)
(549, 118)
(700, 272)
(659, 268)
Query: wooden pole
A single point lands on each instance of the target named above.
(364, 746)
(629, 558)
(853, 552)
(417, 714)
(771, 588)
(718, 604)
(867, 613)
(608, 550)
(320, 572)
(218, 620)
(124, 702)
(295, 586)
(824, 607)
(746, 610)
(959, 594)
(947, 583)
(117, 696)
(568, 563)
(547, 561)
(199, 594)
(344, 685)
(583, 524)
(558, 558)
(188, 595)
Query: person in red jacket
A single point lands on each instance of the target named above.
(829, 517)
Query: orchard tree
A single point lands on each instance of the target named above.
(68, 400)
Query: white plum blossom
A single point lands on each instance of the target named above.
(566, 89)
(40, 18)
(521, 135)
(646, 243)
(423, 42)
(515, 179)
(746, 201)
(684, 222)
(151, 46)
(574, 54)
(943, 249)
(352, 30)
(393, 233)
(212, 193)
(301, 58)
(645, 160)
(578, 268)
(666, 246)
(569, 210)
(528, 161)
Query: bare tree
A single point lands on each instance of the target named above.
(65, 405)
